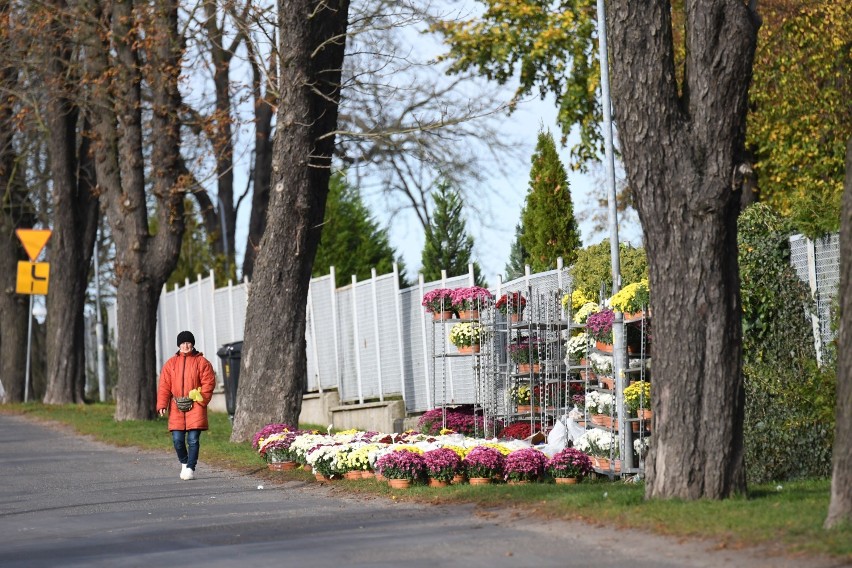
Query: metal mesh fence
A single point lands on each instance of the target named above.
(371, 340)
(817, 263)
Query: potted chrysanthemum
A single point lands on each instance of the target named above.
(439, 303)
(524, 465)
(465, 336)
(526, 355)
(584, 311)
(599, 328)
(327, 461)
(578, 348)
(511, 304)
(276, 449)
(482, 464)
(442, 465)
(267, 431)
(637, 399)
(569, 466)
(602, 447)
(401, 467)
(468, 301)
(631, 300)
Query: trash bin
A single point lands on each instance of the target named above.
(230, 356)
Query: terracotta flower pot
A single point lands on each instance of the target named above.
(367, 474)
(459, 478)
(437, 483)
(399, 483)
(603, 347)
(281, 466)
(469, 315)
(440, 316)
(352, 475)
(525, 368)
(566, 480)
(479, 480)
(469, 349)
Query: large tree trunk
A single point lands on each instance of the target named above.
(840, 508)
(74, 225)
(680, 152)
(143, 262)
(273, 365)
(15, 212)
(137, 303)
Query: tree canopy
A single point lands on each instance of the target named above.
(550, 47)
(801, 116)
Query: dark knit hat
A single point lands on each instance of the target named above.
(185, 336)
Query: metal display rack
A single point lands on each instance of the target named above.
(625, 429)
(543, 329)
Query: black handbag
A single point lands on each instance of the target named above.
(184, 403)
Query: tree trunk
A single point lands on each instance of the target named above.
(137, 303)
(273, 366)
(15, 213)
(143, 262)
(840, 507)
(680, 152)
(75, 217)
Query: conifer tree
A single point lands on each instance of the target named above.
(351, 240)
(516, 266)
(448, 246)
(549, 229)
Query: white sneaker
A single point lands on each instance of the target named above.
(185, 472)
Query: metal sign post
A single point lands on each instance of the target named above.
(32, 279)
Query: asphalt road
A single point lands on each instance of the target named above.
(69, 501)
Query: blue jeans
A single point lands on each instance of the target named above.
(187, 443)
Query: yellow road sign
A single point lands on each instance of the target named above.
(32, 277)
(33, 240)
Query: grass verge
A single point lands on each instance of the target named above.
(786, 516)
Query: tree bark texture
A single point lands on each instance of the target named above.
(15, 213)
(840, 507)
(680, 149)
(143, 262)
(75, 215)
(273, 363)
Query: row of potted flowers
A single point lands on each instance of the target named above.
(417, 457)
(463, 301)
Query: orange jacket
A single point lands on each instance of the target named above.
(181, 374)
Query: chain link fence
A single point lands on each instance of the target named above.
(817, 263)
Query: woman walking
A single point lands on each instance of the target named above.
(185, 389)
